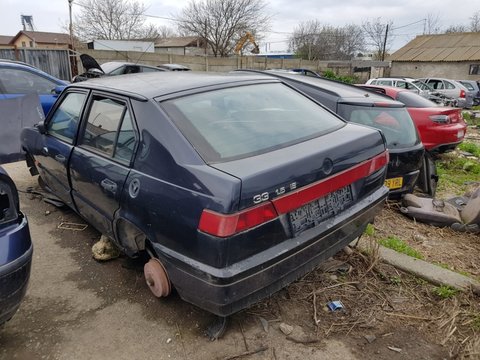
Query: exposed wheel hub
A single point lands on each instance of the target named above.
(157, 278)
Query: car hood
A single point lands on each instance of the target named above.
(90, 63)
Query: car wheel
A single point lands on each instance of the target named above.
(428, 178)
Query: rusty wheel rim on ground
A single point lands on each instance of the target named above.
(157, 278)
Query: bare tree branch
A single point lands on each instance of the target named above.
(112, 19)
(375, 31)
(223, 22)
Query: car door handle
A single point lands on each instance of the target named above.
(109, 185)
(60, 158)
(45, 150)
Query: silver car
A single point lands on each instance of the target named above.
(452, 89)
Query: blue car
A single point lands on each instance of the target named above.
(17, 79)
(233, 186)
(15, 249)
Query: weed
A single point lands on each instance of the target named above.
(369, 230)
(400, 246)
(472, 148)
(445, 291)
(395, 280)
(476, 322)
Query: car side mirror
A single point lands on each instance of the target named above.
(58, 89)
(41, 128)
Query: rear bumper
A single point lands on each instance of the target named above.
(409, 181)
(227, 290)
(15, 274)
(446, 137)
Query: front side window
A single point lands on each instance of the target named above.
(414, 100)
(401, 84)
(243, 121)
(17, 81)
(385, 82)
(64, 122)
(395, 123)
(109, 128)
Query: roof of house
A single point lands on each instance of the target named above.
(5, 39)
(440, 47)
(177, 41)
(44, 37)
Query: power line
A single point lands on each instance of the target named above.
(416, 22)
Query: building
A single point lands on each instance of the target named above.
(40, 39)
(5, 42)
(453, 56)
(122, 45)
(185, 45)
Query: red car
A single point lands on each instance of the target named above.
(440, 128)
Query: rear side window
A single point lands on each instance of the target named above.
(109, 128)
(238, 122)
(385, 82)
(395, 123)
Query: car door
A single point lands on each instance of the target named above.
(100, 162)
(55, 146)
(18, 82)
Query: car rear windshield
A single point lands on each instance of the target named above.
(414, 100)
(243, 121)
(395, 123)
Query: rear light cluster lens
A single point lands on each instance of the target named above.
(223, 225)
(441, 119)
(462, 94)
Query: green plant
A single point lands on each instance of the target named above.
(400, 246)
(395, 280)
(369, 230)
(445, 291)
(476, 322)
(329, 74)
(470, 147)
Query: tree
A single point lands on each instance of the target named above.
(377, 36)
(112, 19)
(432, 24)
(313, 41)
(456, 29)
(475, 22)
(223, 22)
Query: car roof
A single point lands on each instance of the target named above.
(336, 88)
(155, 84)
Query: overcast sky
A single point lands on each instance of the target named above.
(52, 15)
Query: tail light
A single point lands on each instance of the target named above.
(223, 225)
(462, 94)
(440, 119)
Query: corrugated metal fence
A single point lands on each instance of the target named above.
(52, 61)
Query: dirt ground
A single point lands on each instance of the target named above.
(77, 308)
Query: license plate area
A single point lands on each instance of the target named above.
(313, 213)
(394, 183)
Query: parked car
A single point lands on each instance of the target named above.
(306, 72)
(174, 67)
(354, 104)
(15, 249)
(18, 79)
(440, 128)
(403, 83)
(472, 86)
(112, 68)
(451, 88)
(235, 186)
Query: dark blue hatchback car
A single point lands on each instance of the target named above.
(15, 249)
(234, 186)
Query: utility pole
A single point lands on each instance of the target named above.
(70, 26)
(384, 43)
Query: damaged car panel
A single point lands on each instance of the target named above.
(16, 249)
(237, 186)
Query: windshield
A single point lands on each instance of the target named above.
(414, 101)
(243, 121)
(110, 66)
(422, 85)
(395, 123)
